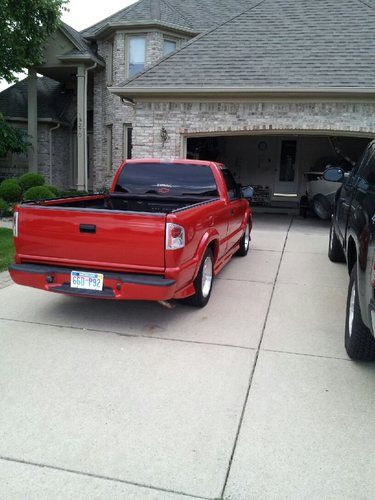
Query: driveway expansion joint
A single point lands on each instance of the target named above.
(99, 476)
(255, 363)
(131, 335)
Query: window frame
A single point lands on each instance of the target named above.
(127, 145)
(127, 52)
(109, 144)
(171, 40)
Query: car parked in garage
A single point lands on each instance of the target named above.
(352, 239)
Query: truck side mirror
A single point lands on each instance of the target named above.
(247, 192)
(334, 174)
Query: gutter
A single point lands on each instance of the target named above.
(129, 92)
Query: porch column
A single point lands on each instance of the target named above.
(81, 127)
(32, 123)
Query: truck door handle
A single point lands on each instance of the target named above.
(87, 228)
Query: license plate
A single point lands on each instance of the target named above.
(86, 281)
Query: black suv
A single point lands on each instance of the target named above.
(352, 239)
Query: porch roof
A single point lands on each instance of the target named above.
(299, 46)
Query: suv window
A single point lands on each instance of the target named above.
(367, 169)
(362, 161)
(230, 183)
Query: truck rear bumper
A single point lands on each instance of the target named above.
(117, 286)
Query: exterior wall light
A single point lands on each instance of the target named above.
(164, 136)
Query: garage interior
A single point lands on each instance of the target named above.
(278, 167)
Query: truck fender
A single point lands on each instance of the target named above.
(211, 236)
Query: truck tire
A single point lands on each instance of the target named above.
(359, 342)
(244, 243)
(335, 251)
(203, 281)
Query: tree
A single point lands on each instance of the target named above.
(25, 26)
(11, 139)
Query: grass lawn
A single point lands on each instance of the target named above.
(6, 248)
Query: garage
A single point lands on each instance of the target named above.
(279, 167)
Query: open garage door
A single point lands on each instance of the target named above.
(279, 167)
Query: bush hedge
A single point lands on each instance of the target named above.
(5, 209)
(38, 193)
(31, 179)
(10, 190)
(54, 190)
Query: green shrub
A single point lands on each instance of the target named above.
(38, 193)
(30, 180)
(73, 192)
(10, 190)
(5, 209)
(54, 190)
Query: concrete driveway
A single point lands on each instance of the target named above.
(252, 397)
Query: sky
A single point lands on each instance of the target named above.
(83, 13)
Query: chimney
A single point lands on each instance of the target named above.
(155, 10)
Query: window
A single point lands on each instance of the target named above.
(367, 170)
(136, 54)
(109, 147)
(127, 146)
(230, 182)
(110, 64)
(173, 179)
(169, 46)
(288, 161)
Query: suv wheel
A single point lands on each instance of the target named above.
(359, 342)
(335, 251)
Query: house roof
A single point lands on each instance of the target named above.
(276, 44)
(83, 47)
(52, 100)
(186, 14)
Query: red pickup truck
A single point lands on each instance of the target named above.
(163, 231)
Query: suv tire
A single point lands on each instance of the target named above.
(335, 251)
(359, 342)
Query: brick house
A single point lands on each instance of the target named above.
(273, 88)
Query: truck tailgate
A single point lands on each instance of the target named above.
(92, 239)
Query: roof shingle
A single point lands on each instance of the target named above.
(276, 44)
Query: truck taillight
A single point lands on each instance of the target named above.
(175, 236)
(373, 272)
(15, 224)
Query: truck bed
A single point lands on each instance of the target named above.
(129, 203)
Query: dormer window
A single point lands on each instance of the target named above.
(136, 54)
(169, 46)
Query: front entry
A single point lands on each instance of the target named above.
(286, 180)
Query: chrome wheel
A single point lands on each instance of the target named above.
(247, 238)
(351, 310)
(207, 274)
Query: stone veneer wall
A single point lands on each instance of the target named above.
(110, 109)
(185, 118)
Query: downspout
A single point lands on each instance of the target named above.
(50, 151)
(85, 131)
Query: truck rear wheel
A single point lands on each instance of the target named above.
(359, 342)
(203, 281)
(244, 243)
(335, 251)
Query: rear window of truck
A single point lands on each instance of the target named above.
(166, 179)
